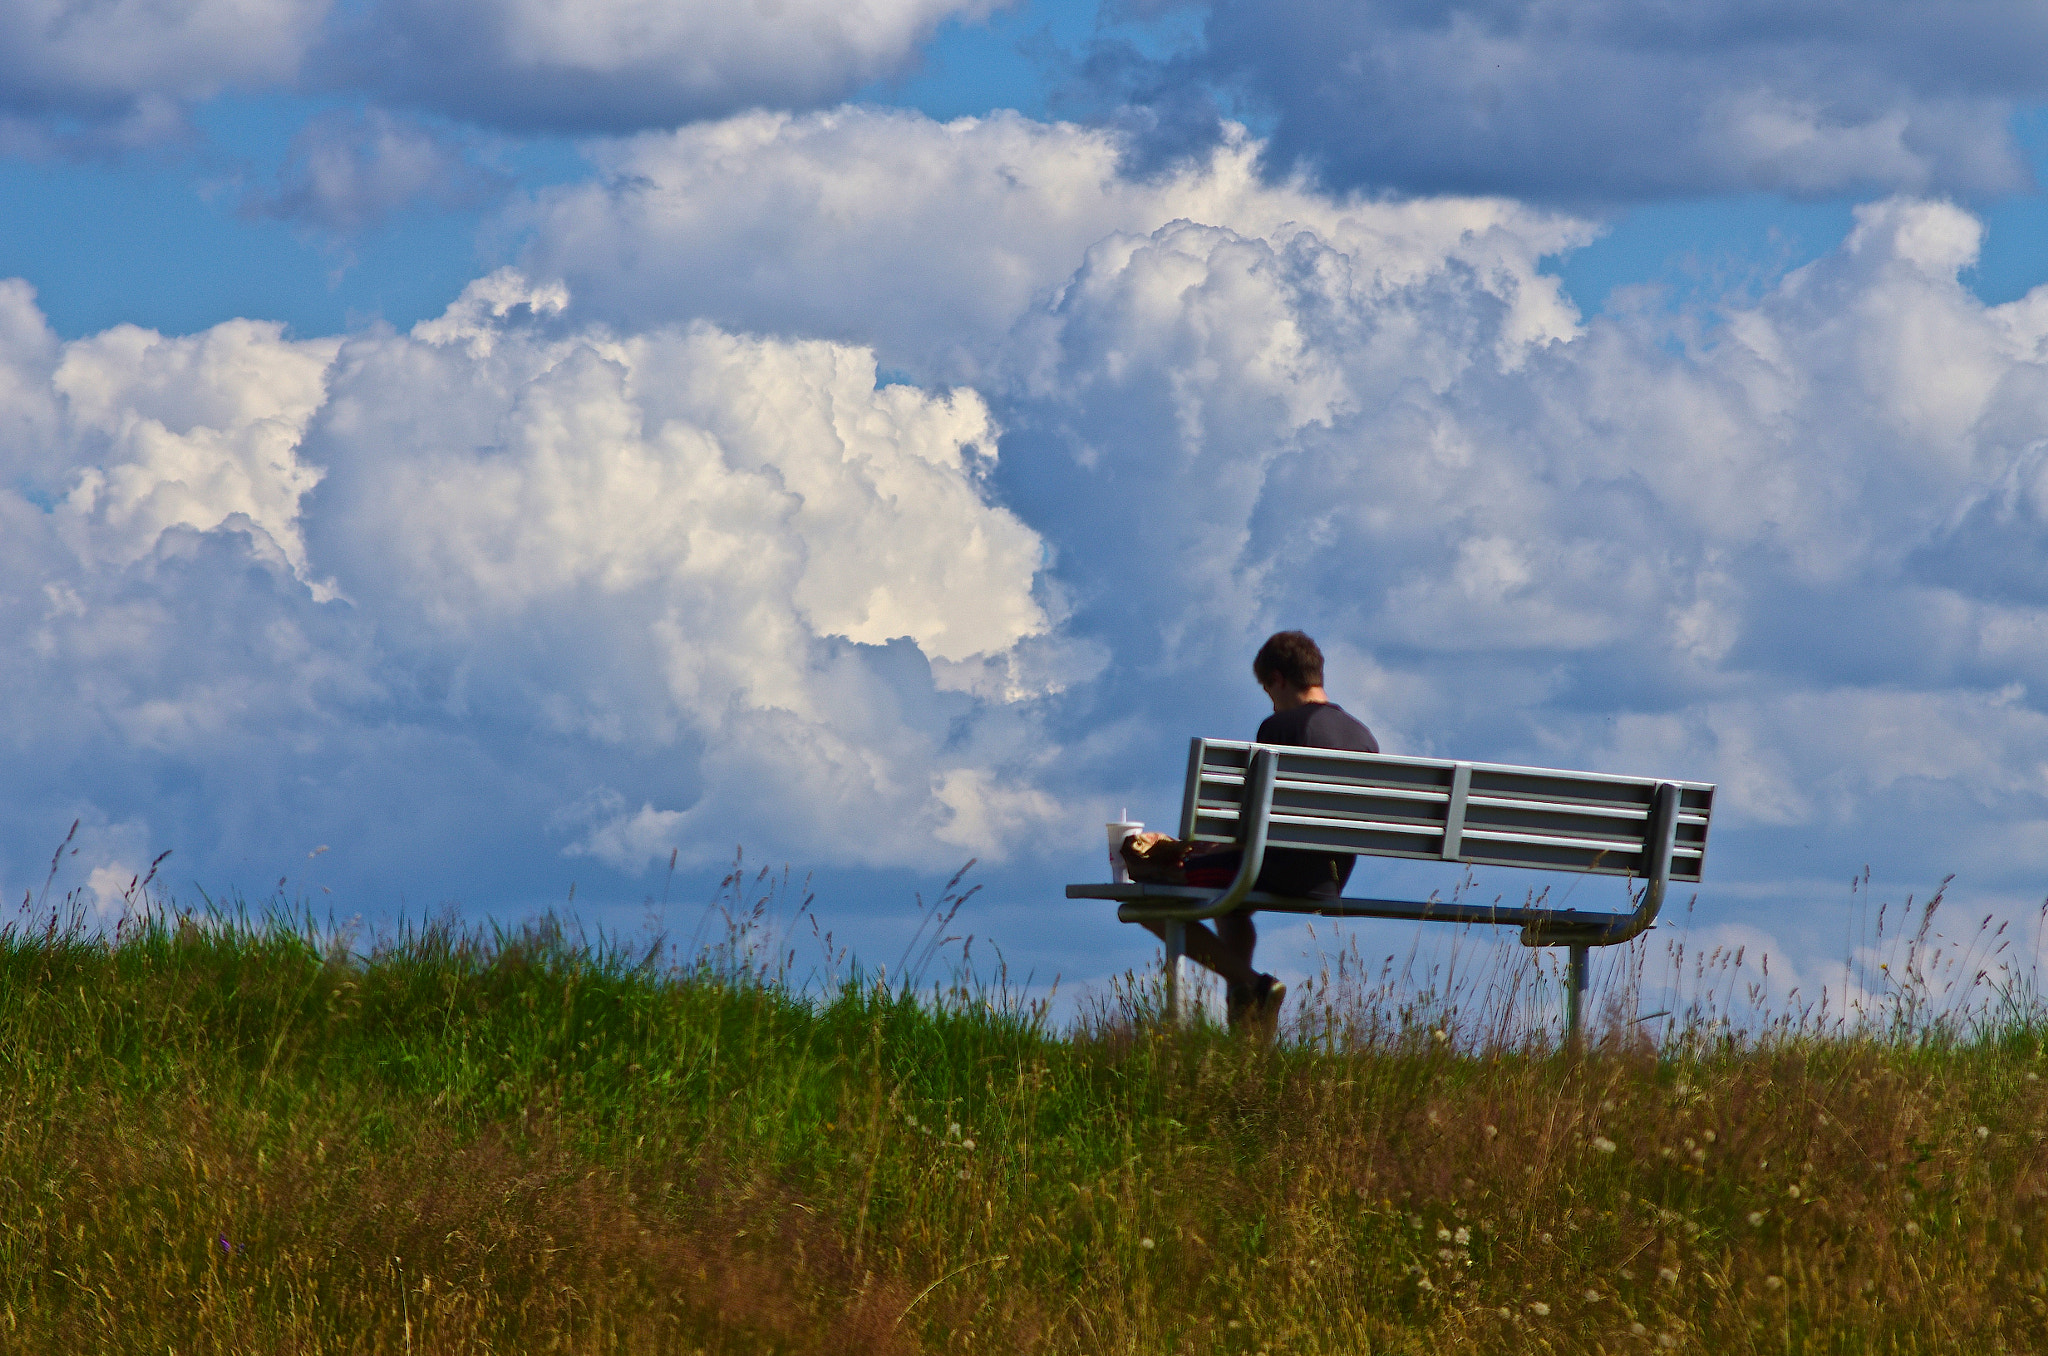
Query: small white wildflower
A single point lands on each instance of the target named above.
(2033, 1077)
(1756, 1217)
(1912, 1229)
(1539, 1308)
(1983, 1132)
(1793, 1191)
(953, 1130)
(1603, 1144)
(1546, 1237)
(1493, 1130)
(1774, 1283)
(1234, 1324)
(962, 1174)
(1707, 1135)
(1638, 1329)
(1668, 1275)
(1462, 1237)
(1424, 1284)
(1699, 1155)
(967, 1144)
(1666, 1340)
(1592, 1297)
(1446, 1255)
(1441, 1034)
(1443, 1235)
(1507, 1313)
(1145, 1243)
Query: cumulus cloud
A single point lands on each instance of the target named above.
(1720, 553)
(633, 553)
(1751, 544)
(668, 589)
(1617, 99)
(932, 240)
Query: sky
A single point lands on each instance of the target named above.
(476, 457)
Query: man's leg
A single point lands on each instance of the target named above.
(1256, 1002)
(1240, 938)
(1251, 997)
(1221, 958)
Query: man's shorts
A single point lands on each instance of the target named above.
(1286, 871)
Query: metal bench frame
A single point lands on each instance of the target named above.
(1263, 796)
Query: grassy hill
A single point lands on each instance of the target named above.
(232, 1138)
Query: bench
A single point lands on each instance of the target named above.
(1263, 796)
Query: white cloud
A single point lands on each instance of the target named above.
(710, 570)
(194, 432)
(931, 240)
(733, 544)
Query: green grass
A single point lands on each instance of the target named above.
(231, 1137)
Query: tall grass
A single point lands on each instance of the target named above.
(224, 1134)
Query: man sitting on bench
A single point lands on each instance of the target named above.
(1289, 666)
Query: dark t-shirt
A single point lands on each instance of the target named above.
(1317, 725)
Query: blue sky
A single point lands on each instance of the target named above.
(456, 450)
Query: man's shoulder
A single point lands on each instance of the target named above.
(1323, 725)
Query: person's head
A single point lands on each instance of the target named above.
(1288, 662)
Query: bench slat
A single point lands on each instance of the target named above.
(1399, 807)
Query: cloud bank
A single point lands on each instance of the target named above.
(1641, 540)
(630, 552)
(101, 76)
(509, 580)
(1604, 100)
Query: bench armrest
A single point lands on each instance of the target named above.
(1258, 808)
(1564, 931)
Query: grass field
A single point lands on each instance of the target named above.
(239, 1137)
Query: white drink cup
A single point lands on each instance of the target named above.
(1119, 830)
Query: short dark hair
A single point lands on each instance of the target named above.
(1291, 657)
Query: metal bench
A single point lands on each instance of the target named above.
(1263, 796)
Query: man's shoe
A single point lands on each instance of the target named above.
(1255, 1007)
(1240, 1005)
(1265, 1009)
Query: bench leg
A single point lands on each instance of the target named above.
(1176, 947)
(1575, 995)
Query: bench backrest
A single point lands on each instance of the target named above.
(1484, 814)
